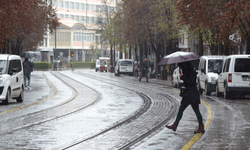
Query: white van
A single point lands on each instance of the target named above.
(11, 78)
(100, 63)
(234, 77)
(124, 66)
(208, 69)
(176, 81)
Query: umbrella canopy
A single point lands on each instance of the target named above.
(178, 57)
(28, 54)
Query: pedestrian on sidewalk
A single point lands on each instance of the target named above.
(191, 97)
(27, 69)
(136, 69)
(144, 69)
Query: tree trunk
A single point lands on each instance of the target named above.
(136, 56)
(111, 58)
(226, 49)
(200, 45)
(248, 46)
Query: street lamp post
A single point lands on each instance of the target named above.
(101, 45)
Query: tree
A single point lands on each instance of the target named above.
(145, 24)
(216, 20)
(237, 18)
(23, 18)
(94, 52)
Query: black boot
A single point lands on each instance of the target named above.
(173, 126)
(200, 129)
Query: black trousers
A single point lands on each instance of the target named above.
(144, 73)
(196, 110)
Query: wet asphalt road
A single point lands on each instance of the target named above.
(55, 115)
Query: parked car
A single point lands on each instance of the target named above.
(11, 78)
(234, 77)
(208, 69)
(124, 66)
(176, 81)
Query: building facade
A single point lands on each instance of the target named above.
(78, 38)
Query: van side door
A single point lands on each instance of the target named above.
(15, 71)
(222, 78)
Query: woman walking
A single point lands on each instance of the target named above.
(190, 97)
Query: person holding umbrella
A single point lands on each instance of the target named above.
(190, 97)
(27, 69)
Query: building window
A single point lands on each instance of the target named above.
(89, 37)
(77, 36)
(77, 5)
(61, 4)
(92, 20)
(56, 3)
(97, 39)
(87, 19)
(82, 19)
(97, 8)
(80, 36)
(92, 7)
(82, 6)
(72, 5)
(66, 4)
(112, 9)
(66, 16)
(87, 7)
(61, 16)
(72, 17)
(77, 18)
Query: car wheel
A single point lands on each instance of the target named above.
(20, 97)
(206, 90)
(218, 93)
(199, 88)
(226, 93)
(7, 99)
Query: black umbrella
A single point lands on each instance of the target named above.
(28, 55)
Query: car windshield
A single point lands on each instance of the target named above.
(242, 65)
(126, 63)
(214, 65)
(103, 62)
(3, 66)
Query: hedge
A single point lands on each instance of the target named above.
(83, 64)
(42, 65)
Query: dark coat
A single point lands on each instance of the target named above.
(27, 67)
(189, 78)
(145, 66)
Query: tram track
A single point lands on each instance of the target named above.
(148, 99)
(39, 117)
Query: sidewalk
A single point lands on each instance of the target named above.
(159, 81)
